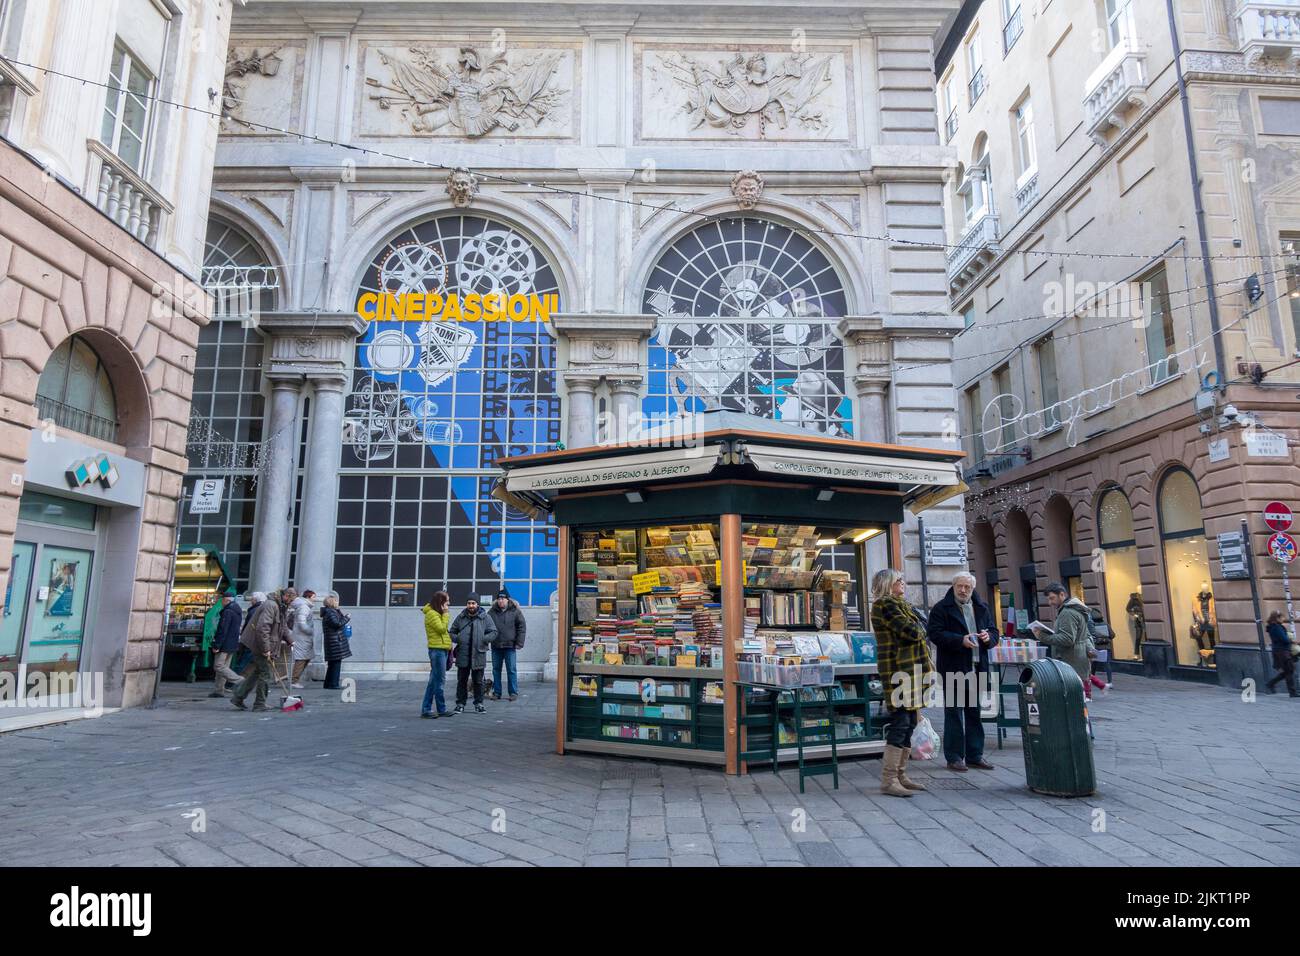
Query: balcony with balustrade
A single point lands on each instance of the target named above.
(978, 246)
(122, 194)
(1269, 31)
(1117, 86)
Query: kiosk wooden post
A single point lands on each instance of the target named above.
(733, 629)
(565, 584)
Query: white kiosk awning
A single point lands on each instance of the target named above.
(627, 469)
(837, 466)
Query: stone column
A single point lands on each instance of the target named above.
(582, 410)
(551, 669)
(64, 102)
(626, 391)
(320, 487)
(871, 417)
(872, 414)
(275, 510)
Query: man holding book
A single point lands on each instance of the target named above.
(962, 630)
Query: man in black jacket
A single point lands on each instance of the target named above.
(225, 643)
(511, 630)
(962, 629)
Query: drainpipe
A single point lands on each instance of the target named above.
(1206, 262)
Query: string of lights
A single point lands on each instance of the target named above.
(560, 190)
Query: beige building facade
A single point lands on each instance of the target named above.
(1122, 223)
(103, 201)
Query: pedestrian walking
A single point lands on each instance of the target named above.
(1070, 640)
(304, 634)
(1283, 658)
(903, 662)
(1103, 638)
(334, 625)
(437, 621)
(225, 643)
(262, 636)
(243, 665)
(472, 634)
(511, 630)
(962, 629)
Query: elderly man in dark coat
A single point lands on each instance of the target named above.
(962, 629)
(225, 644)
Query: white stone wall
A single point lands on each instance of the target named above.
(58, 118)
(848, 152)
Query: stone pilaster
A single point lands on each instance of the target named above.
(582, 409)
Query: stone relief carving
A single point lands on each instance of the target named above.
(462, 186)
(480, 91)
(747, 94)
(747, 187)
(243, 102)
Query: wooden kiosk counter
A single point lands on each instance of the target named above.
(687, 565)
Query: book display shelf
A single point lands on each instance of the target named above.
(692, 576)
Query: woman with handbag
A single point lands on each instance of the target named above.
(903, 661)
(1284, 654)
(337, 628)
(437, 621)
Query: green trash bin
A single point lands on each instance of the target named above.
(1054, 727)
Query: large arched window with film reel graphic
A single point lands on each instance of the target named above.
(747, 310)
(434, 406)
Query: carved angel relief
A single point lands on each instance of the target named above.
(479, 93)
(749, 89)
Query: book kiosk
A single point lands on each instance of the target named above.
(698, 565)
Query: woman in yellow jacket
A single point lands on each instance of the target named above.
(437, 618)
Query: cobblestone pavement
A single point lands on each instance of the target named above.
(1188, 775)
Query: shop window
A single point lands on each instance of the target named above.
(1187, 570)
(74, 391)
(747, 310)
(444, 402)
(1121, 577)
(49, 509)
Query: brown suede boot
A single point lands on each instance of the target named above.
(889, 784)
(902, 771)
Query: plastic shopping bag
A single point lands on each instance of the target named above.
(925, 740)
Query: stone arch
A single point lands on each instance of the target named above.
(646, 254)
(421, 208)
(130, 389)
(1059, 536)
(1019, 549)
(264, 233)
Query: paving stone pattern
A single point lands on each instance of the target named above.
(1187, 775)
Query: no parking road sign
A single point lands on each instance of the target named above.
(1282, 547)
(1277, 516)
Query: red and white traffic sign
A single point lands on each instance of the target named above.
(1282, 547)
(1277, 516)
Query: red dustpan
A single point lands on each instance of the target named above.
(289, 701)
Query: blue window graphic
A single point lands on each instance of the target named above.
(436, 405)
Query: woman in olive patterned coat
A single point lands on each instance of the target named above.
(903, 661)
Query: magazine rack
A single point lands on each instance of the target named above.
(803, 492)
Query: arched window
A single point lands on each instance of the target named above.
(1121, 578)
(747, 311)
(1187, 569)
(434, 406)
(236, 272)
(226, 410)
(75, 392)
